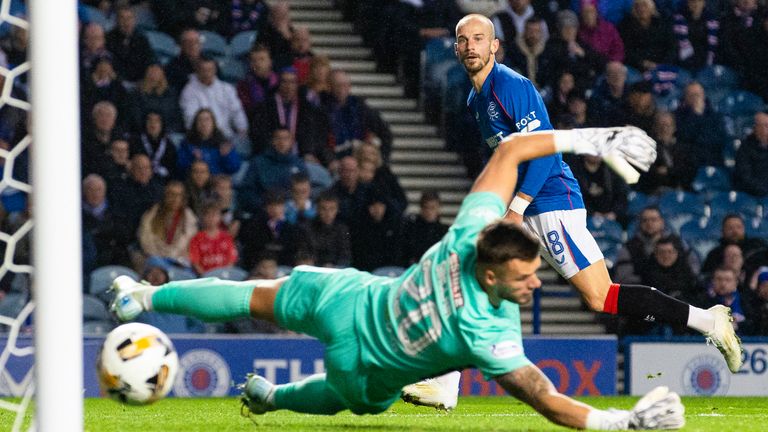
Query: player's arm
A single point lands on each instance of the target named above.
(659, 409)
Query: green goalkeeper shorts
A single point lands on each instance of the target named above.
(324, 303)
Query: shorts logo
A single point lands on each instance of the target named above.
(492, 113)
(506, 349)
(202, 372)
(706, 376)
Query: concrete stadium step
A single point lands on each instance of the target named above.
(378, 91)
(429, 170)
(359, 78)
(326, 26)
(446, 210)
(446, 197)
(438, 183)
(407, 156)
(421, 143)
(316, 14)
(403, 116)
(383, 104)
(399, 130)
(297, 5)
(571, 329)
(550, 317)
(332, 39)
(348, 52)
(351, 66)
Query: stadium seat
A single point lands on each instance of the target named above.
(94, 15)
(757, 227)
(723, 203)
(241, 44)
(162, 44)
(12, 304)
(703, 228)
(227, 273)
(718, 76)
(284, 270)
(389, 271)
(21, 283)
(676, 202)
(637, 201)
(739, 103)
(231, 69)
(214, 44)
(710, 180)
(98, 327)
(602, 228)
(94, 309)
(702, 246)
(633, 75)
(172, 323)
(102, 277)
(179, 273)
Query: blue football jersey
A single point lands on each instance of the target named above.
(509, 103)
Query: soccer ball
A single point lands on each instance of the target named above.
(137, 364)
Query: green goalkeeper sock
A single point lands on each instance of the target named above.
(310, 395)
(209, 299)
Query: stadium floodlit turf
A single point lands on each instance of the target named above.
(473, 414)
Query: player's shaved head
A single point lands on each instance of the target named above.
(477, 18)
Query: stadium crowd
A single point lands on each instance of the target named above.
(197, 158)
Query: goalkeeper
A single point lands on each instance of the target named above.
(457, 307)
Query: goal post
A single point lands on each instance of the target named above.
(56, 243)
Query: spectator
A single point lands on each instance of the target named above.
(636, 252)
(156, 272)
(564, 54)
(423, 229)
(381, 178)
(604, 191)
(272, 233)
(696, 29)
(299, 208)
(133, 196)
(265, 268)
(674, 167)
(15, 47)
(116, 161)
(248, 15)
(750, 174)
(212, 247)
(648, 38)
(270, 171)
(757, 300)
(182, 66)
(510, 22)
(205, 141)
(93, 47)
(285, 109)
(352, 194)
(641, 107)
(301, 49)
(600, 35)
(525, 54)
(108, 232)
(103, 84)
(558, 101)
(379, 226)
(733, 258)
(577, 110)
(154, 142)
(205, 90)
(351, 118)
(318, 85)
(277, 34)
(739, 34)
(168, 226)
(198, 185)
(612, 10)
(153, 94)
(668, 271)
(732, 233)
(224, 196)
(98, 136)
(328, 235)
(702, 127)
(131, 50)
(724, 289)
(607, 104)
(208, 15)
(260, 81)
(757, 65)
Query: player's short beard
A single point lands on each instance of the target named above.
(476, 69)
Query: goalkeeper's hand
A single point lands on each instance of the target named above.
(625, 149)
(658, 409)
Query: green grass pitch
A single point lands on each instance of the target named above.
(473, 414)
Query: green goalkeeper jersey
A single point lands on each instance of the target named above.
(436, 317)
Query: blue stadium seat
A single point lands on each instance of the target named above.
(389, 271)
(284, 270)
(98, 327)
(102, 277)
(637, 201)
(241, 44)
(633, 75)
(704, 228)
(231, 69)
(227, 273)
(94, 15)
(172, 323)
(610, 251)
(214, 44)
(162, 44)
(94, 309)
(179, 273)
(676, 202)
(739, 103)
(718, 76)
(723, 203)
(710, 180)
(602, 228)
(12, 304)
(21, 283)
(702, 246)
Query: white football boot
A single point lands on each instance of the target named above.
(257, 395)
(441, 393)
(130, 296)
(724, 338)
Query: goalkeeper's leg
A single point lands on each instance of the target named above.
(312, 395)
